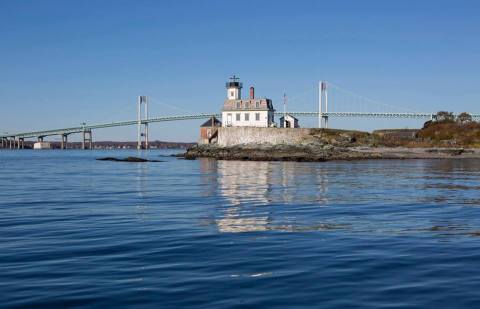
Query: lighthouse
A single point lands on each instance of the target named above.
(234, 88)
(251, 112)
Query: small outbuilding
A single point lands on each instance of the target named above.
(289, 122)
(209, 131)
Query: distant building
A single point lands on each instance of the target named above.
(251, 112)
(209, 131)
(290, 122)
(42, 145)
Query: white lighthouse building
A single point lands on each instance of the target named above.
(251, 112)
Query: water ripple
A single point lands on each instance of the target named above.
(76, 232)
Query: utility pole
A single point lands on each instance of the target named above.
(284, 110)
(320, 95)
(323, 92)
(326, 104)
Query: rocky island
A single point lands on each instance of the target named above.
(445, 138)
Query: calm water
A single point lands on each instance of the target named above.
(79, 232)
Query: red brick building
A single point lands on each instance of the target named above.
(209, 131)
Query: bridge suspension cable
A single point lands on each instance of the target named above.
(156, 101)
(359, 101)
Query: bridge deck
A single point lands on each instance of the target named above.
(80, 129)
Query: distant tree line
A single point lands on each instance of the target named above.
(449, 117)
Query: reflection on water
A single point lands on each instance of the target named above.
(77, 232)
(244, 181)
(252, 189)
(264, 182)
(261, 196)
(240, 182)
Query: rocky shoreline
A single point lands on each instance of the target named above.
(319, 153)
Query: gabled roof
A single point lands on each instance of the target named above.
(288, 115)
(208, 123)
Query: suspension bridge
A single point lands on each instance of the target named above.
(333, 102)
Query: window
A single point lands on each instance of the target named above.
(245, 106)
(229, 119)
(257, 116)
(257, 104)
(238, 104)
(237, 117)
(247, 116)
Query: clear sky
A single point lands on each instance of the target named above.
(65, 62)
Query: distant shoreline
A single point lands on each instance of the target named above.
(113, 145)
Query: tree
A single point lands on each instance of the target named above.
(464, 118)
(427, 124)
(444, 116)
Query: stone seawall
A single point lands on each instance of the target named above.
(234, 136)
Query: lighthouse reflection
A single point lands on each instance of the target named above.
(245, 185)
(257, 194)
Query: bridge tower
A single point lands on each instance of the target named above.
(322, 104)
(142, 133)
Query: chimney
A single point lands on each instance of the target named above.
(252, 93)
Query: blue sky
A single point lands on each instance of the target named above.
(66, 62)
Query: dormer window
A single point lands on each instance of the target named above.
(257, 104)
(238, 104)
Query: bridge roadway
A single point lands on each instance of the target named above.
(89, 128)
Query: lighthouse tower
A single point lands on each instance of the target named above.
(234, 88)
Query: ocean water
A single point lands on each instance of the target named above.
(76, 232)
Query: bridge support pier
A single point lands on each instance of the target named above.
(21, 143)
(87, 137)
(64, 141)
(40, 139)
